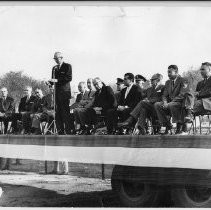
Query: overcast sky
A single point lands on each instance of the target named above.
(104, 41)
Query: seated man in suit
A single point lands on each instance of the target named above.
(25, 109)
(103, 101)
(7, 108)
(37, 111)
(145, 108)
(171, 103)
(88, 98)
(81, 98)
(203, 90)
(119, 86)
(130, 96)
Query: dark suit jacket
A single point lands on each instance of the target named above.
(133, 97)
(105, 98)
(80, 98)
(38, 104)
(47, 102)
(169, 94)
(64, 76)
(27, 105)
(154, 94)
(8, 107)
(204, 88)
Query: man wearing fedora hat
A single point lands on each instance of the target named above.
(145, 108)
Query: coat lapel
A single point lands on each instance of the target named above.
(176, 83)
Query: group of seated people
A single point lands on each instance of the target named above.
(132, 106)
(32, 109)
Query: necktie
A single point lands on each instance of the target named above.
(52, 102)
(4, 101)
(205, 80)
(172, 85)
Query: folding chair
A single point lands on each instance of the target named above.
(201, 117)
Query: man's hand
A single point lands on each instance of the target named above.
(165, 105)
(2, 114)
(53, 80)
(121, 108)
(146, 100)
(98, 110)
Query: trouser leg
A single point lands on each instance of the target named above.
(111, 120)
(198, 107)
(161, 113)
(176, 111)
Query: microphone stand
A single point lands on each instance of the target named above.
(53, 123)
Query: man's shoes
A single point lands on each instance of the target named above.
(168, 130)
(127, 122)
(64, 173)
(37, 131)
(183, 133)
(141, 131)
(178, 128)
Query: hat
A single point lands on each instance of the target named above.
(119, 81)
(140, 77)
(156, 76)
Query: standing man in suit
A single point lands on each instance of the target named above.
(170, 103)
(145, 108)
(62, 75)
(203, 90)
(130, 96)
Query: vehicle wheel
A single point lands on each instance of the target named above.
(192, 196)
(133, 194)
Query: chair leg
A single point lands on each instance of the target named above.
(200, 122)
(209, 124)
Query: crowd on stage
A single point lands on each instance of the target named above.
(131, 107)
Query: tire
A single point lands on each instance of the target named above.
(133, 194)
(192, 196)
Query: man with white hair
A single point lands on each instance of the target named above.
(6, 108)
(62, 76)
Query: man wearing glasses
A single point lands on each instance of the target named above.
(62, 75)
